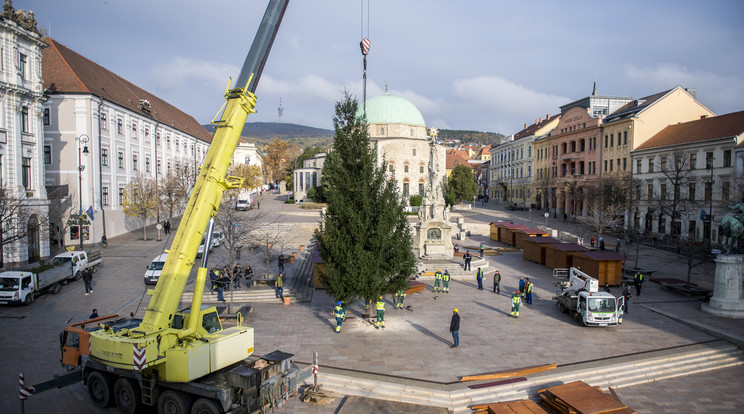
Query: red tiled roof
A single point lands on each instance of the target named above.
(530, 130)
(455, 159)
(722, 126)
(66, 71)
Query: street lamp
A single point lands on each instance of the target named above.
(81, 140)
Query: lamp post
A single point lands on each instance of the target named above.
(710, 207)
(81, 140)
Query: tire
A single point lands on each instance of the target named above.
(29, 299)
(127, 396)
(173, 402)
(206, 406)
(99, 389)
(55, 288)
(95, 269)
(78, 275)
(564, 309)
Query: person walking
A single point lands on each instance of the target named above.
(516, 301)
(455, 328)
(437, 279)
(479, 278)
(400, 296)
(93, 314)
(214, 275)
(340, 313)
(445, 281)
(280, 286)
(87, 279)
(167, 226)
(497, 281)
(380, 307)
(221, 286)
(280, 262)
(626, 297)
(467, 258)
(638, 282)
(457, 247)
(482, 249)
(521, 284)
(528, 291)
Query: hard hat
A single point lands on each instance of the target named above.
(439, 270)
(516, 291)
(379, 297)
(338, 303)
(455, 310)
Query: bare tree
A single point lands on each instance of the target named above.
(60, 210)
(140, 200)
(174, 188)
(542, 184)
(606, 199)
(15, 211)
(675, 168)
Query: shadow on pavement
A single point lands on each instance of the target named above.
(429, 333)
(323, 319)
(492, 308)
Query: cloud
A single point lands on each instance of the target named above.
(181, 72)
(718, 92)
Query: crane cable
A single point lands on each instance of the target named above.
(364, 45)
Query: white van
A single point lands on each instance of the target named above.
(152, 274)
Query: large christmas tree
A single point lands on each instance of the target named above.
(365, 239)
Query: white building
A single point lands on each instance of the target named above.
(25, 238)
(126, 130)
(686, 172)
(308, 176)
(246, 153)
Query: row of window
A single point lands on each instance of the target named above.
(514, 154)
(391, 167)
(691, 195)
(681, 164)
(609, 140)
(611, 166)
(178, 142)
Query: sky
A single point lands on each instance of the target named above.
(484, 65)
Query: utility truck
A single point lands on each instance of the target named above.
(24, 286)
(579, 295)
(184, 361)
(246, 199)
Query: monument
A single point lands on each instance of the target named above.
(434, 230)
(728, 294)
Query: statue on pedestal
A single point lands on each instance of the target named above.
(731, 228)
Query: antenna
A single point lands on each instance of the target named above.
(280, 109)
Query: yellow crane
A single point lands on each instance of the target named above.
(138, 366)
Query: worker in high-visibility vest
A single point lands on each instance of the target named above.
(437, 279)
(445, 281)
(340, 313)
(528, 286)
(638, 281)
(516, 301)
(400, 295)
(479, 278)
(380, 306)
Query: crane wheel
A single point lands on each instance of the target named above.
(174, 402)
(99, 388)
(127, 396)
(206, 406)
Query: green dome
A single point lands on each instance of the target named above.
(388, 109)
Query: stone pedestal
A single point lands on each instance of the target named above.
(728, 295)
(435, 239)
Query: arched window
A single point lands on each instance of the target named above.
(382, 131)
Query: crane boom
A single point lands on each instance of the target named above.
(165, 339)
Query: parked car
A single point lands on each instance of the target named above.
(217, 238)
(152, 274)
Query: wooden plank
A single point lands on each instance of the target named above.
(493, 384)
(516, 407)
(509, 373)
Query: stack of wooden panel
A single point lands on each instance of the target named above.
(580, 398)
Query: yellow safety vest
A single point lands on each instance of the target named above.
(529, 287)
(446, 277)
(516, 299)
(437, 275)
(339, 311)
(401, 292)
(380, 305)
(639, 277)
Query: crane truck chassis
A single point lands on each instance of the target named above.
(580, 296)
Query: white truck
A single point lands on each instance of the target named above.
(580, 296)
(24, 286)
(246, 199)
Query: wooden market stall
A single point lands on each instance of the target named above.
(607, 267)
(534, 248)
(506, 232)
(558, 255)
(527, 233)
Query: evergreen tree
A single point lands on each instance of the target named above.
(461, 183)
(364, 240)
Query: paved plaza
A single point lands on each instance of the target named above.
(415, 343)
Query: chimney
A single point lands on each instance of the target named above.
(703, 116)
(525, 126)
(547, 116)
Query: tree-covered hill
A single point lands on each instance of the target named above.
(470, 137)
(262, 133)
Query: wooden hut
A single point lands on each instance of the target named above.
(558, 255)
(526, 233)
(506, 232)
(606, 266)
(534, 248)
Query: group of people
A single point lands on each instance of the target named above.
(221, 279)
